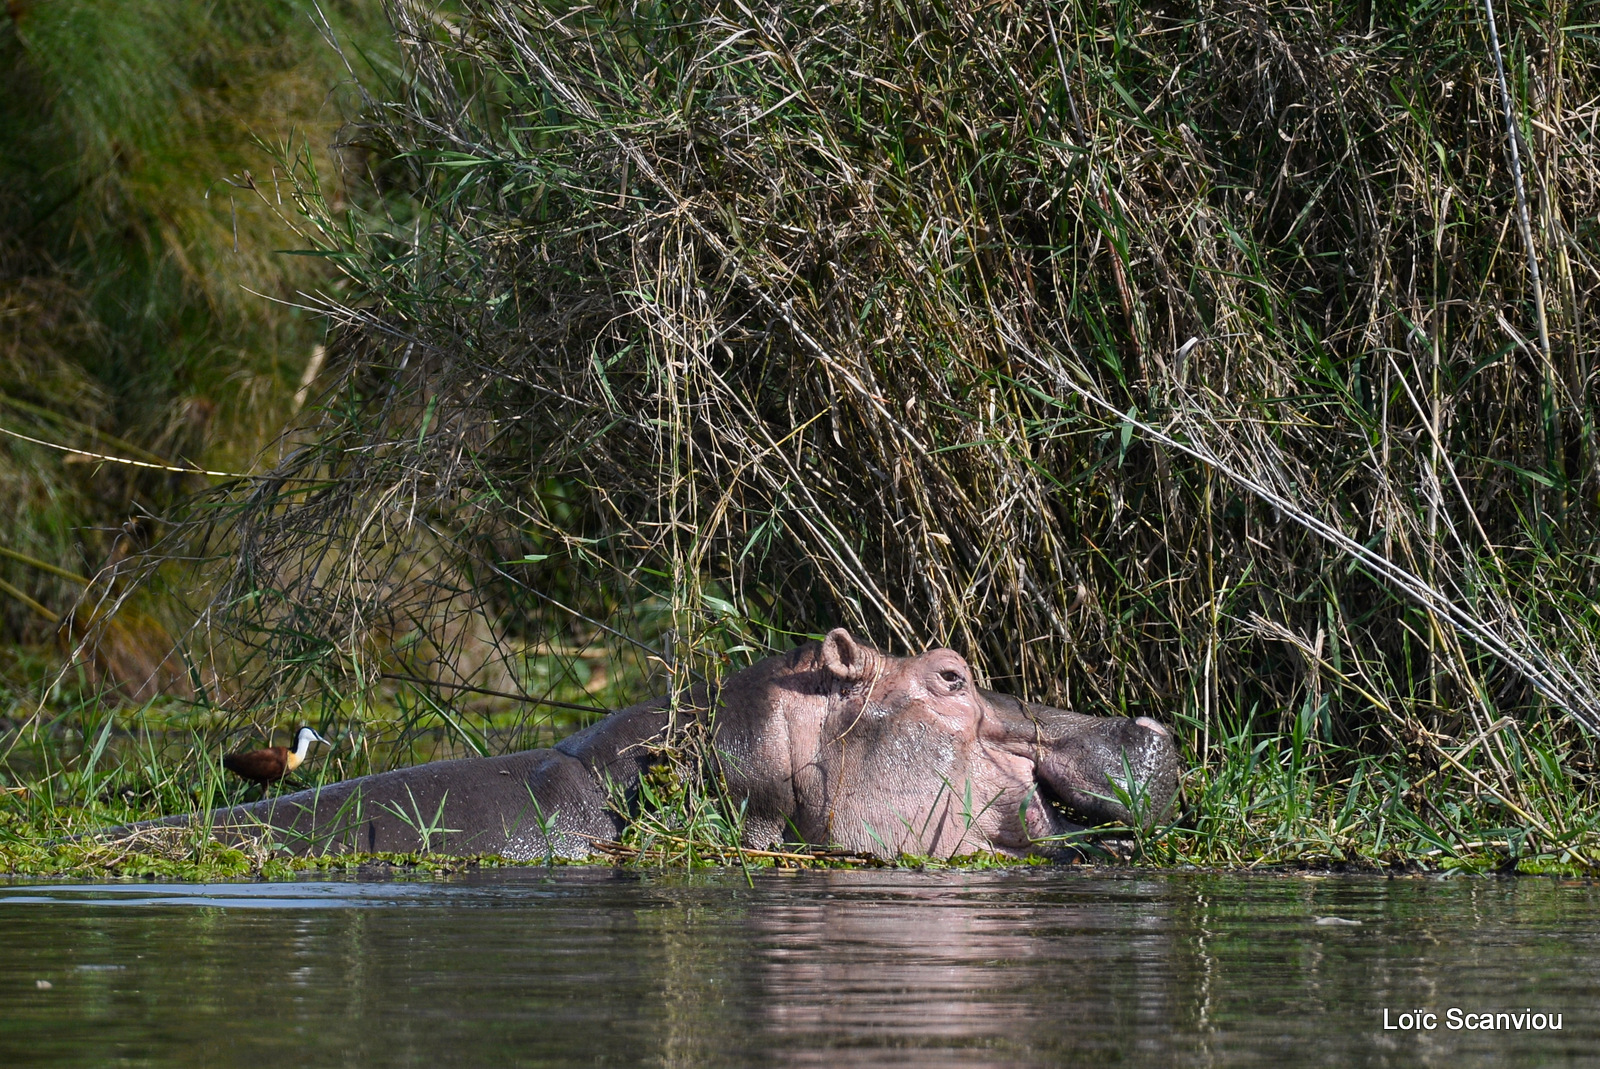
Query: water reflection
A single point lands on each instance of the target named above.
(912, 969)
(839, 969)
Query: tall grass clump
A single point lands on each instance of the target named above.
(1181, 360)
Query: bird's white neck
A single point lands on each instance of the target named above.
(299, 755)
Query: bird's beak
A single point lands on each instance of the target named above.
(320, 739)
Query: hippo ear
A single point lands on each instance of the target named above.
(844, 656)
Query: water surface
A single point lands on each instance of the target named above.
(590, 967)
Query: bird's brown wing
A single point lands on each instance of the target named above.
(258, 766)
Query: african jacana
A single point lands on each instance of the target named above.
(275, 762)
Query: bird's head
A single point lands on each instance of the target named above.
(305, 737)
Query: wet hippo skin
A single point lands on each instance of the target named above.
(833, 743)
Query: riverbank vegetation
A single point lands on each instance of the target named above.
(1230, 364)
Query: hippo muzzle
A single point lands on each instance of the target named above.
(1086, 765)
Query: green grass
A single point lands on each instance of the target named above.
(1248, 803)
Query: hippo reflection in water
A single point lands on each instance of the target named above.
(832, 744)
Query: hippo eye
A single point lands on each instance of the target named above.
(953, 679)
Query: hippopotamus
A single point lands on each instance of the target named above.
(832, 744)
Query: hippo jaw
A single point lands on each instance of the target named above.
(1081, 764)
(1111, 770)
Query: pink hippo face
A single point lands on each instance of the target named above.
(911, 759)
(840, 744)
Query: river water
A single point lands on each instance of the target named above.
(591, 967)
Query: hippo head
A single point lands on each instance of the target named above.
(908, 755)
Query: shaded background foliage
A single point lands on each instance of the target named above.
(141, 225)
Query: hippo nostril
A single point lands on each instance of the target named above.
(1146, 722)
